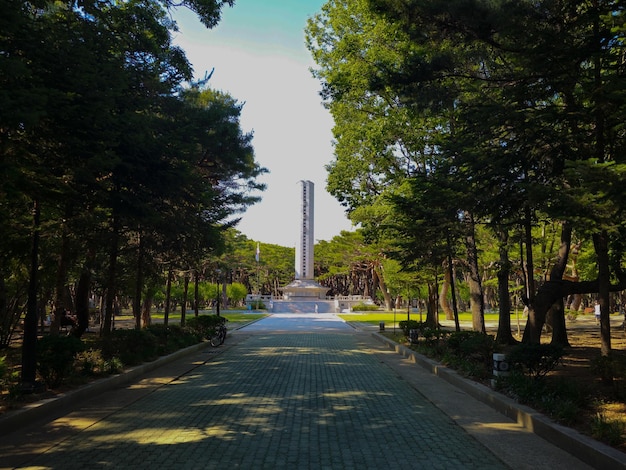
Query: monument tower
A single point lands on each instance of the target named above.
(306, 242)
(304, 287)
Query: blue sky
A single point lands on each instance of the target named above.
(259, 57)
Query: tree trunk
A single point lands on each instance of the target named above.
(196, 293)
(139, 276)
(477, 300)
(443, 294)
(168, 291)
(29, 343)
(110, 285)
(504, 335)
(60, 291)
(601, 245)
(146, 318)
(530, 264)
(559, 330)
(431, 310)
(183, 307)
(550, 291)
(457, 326)
(82, 301)
(383, 288)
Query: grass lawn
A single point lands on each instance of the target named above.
(390, 317)
(235, 318)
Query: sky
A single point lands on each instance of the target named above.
(258, 55)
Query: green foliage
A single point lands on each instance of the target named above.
(236, 292)
(407, 325)
(560, 399)
(55, 357)
(92, 363)
(365, 307)
(203, 326)
(471, 352)
(171, 338)
(533, 359)
(131, 347)
(612, 370)
(607, 430)
(472, 344)
(4, 368)
(434, 335)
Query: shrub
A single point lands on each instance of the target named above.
(89, 362)
(606, 430)
(171, 338)
(407, 325)
(130, 346)
(612, 371)
(92, 363)
(434, 335)
(364, 307)
(3, 367)
(204, 325)
(471, 352)
(55, 357)
(534, 359)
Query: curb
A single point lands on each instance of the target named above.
(588, 450)
(14, 420)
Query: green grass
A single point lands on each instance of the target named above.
(236, 317)
(388, 317)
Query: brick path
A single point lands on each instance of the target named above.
(299, 401)
(285, 393)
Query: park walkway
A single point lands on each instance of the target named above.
(288, 392)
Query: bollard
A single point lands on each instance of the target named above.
(500, 366)
(381, 326)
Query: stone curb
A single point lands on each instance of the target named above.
(588, 450)
(14, 420)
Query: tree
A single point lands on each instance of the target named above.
(66, 124)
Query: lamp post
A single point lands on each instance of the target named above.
(217, 310)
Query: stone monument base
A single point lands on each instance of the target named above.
(304, 289)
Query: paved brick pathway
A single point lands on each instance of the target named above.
(279, 401)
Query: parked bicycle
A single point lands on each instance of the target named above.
(219, 336)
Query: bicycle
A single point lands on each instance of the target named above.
(219, 336)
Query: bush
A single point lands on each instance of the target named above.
(3, 368)
(471, 352)
(534, 359)
(55, 357)
(434, 335)
(364, 307)
(89, 362)
(172, 337)
(130, 346)
(203, 326)
(607, 431)
(407, 325)
(92, 363)
(612, 371)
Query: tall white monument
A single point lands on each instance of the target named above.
(304, 286)
(306, 242)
